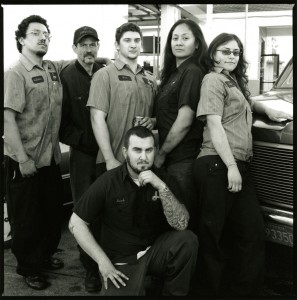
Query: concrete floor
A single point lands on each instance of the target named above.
(69, 281)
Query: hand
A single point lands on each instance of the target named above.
(234, 179)
(148, 176)
(112, 163)
(278, 116)
(147, 122)
(159, 159)
(108, 271)
(28, 168)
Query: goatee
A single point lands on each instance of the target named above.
(40, 53)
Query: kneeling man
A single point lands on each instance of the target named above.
(143, 224)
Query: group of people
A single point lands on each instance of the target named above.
(162, 204)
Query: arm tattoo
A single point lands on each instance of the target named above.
(176, 213)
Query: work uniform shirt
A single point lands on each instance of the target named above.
(221, 95)
(76, 129)
(35, 93)
(121, 94)
(182, 88)
(131, 217)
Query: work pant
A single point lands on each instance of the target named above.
(83, 172)
(35, 213)
(240, 215)
(172, 258)
(183, 174)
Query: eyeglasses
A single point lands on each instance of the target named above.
(39, 33)
(228, 52)
(92, 46)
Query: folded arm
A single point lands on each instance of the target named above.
(176, 213)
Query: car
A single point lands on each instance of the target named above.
(272, 163)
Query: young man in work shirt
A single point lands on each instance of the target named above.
(118, 93)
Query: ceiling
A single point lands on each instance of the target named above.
(149, 14)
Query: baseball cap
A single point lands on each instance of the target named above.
(83, 32)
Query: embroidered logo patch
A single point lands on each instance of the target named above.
(120, 201)
(147, 81)
(230, 84)
(54, 76)
(37, 79)
(124, 78)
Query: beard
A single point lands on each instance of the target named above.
(145, 165)
(40, 53)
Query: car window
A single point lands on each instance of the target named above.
(286, 78)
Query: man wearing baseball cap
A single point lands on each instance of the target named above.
(76, 130)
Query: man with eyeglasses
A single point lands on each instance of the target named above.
(76, 129)
(32, 113)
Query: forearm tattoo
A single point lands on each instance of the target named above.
(176, 213)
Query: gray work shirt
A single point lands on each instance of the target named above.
(221, 96)
(122, 95)
(35, 93)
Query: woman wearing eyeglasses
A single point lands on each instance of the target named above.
(229, 210)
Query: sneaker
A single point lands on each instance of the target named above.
(53, 264)
(36, 282)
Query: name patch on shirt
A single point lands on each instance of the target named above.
(230, 84)
(37, 79)
(54, 76)
(147, 81)
(120, 201)
(124, 78)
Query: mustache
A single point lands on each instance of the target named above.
(145, 162)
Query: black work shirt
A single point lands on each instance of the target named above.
(182, 88)
(131, 220)
(76, 129)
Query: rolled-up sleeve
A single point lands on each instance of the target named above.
(212, 97)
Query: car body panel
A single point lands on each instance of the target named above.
(272, 165)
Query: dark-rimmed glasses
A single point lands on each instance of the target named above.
(228, 52)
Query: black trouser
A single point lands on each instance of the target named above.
(240, 215)
(172, 258)
(35, 213)
(95, 227)
(183, 174)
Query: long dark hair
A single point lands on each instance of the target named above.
(199, 57)
(241, 68)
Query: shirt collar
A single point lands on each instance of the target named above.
(28, 64)
(81, 69)
(125, 172)
(184, 64)
(120, 65)
(218, 69)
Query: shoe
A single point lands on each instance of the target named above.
(53, 264)
(92, 282)
(36, 282)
